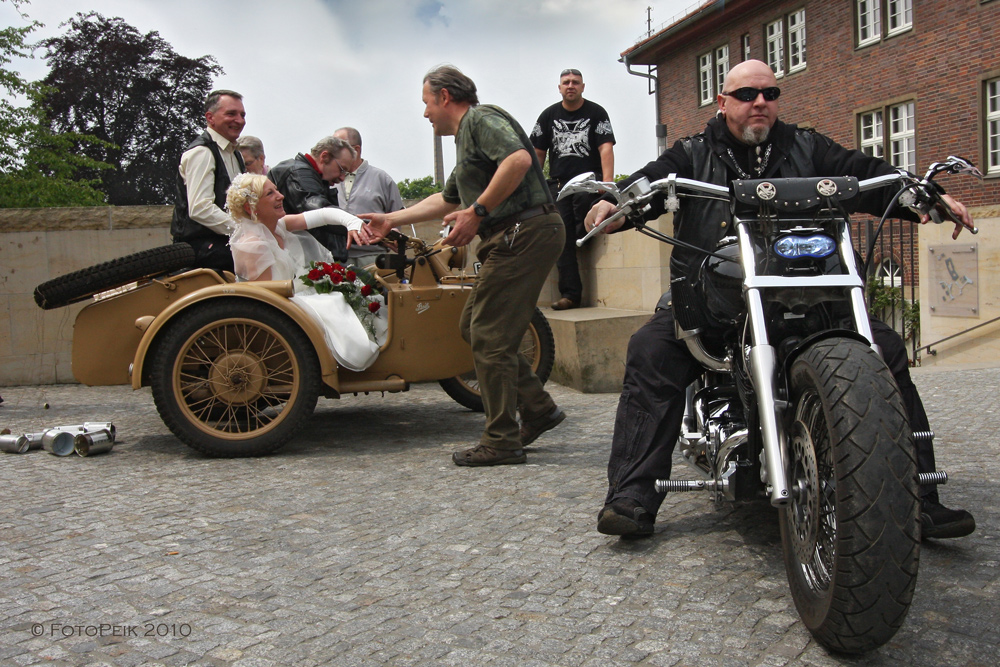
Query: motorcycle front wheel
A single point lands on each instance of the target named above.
(234, 378)
(538, 346)
(850, 534)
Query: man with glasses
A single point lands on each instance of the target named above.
(744, 141)
(307, 181)
(252, 150)
(577, 135)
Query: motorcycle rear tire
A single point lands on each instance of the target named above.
(538, 345)
(850, 535)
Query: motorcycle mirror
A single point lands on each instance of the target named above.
(586, 183)
(960, 165)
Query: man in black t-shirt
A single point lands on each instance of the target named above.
(577, 135)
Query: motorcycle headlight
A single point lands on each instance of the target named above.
(794, 247)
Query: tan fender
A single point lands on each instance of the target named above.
(274, 293)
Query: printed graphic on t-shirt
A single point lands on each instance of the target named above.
(570, 137)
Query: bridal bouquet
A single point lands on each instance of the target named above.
(357, 286)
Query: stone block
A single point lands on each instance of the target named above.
(590, 346)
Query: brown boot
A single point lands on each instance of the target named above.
(565, 303)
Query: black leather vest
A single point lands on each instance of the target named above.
(182, 227)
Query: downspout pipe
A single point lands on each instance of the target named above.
(661, 128)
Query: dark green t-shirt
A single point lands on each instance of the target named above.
(486, 136)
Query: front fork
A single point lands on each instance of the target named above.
(763, 361)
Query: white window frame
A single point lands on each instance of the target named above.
(881, 19)
(899, 16)
(796, 40)
(902, 136)
(706, 81)
(992, 126)
(712, 70)
(745, 41)
(869, 13)
(774, 46)
(871, 139)
(721, 66)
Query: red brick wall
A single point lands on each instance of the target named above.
(940, 64)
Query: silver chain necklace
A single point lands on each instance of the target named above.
(761, 163)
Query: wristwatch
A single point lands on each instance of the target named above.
(479, 209)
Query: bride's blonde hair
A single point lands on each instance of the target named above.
(243, 194)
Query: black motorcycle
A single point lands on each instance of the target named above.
(796, 404)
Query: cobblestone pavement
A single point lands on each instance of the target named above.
(360, 543)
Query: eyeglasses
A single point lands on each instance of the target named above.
(750, 94)
(344, 171)
(569, 71)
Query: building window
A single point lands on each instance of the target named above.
(746, 46)
(872, 142)
(706, 89)
(796, 40)
(900, 15)
(869, 22)
(878, 19)
(900, 146)
(791, 30)
(712, 70)
(721, 66)
(902, 140)
(993, 126)
(774, 40)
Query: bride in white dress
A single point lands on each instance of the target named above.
(267, 244)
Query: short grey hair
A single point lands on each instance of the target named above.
(460, 87)
(214, 98)
(332, 145)
(353, 136)
(251, 145)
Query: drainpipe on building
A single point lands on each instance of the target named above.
(661, 128)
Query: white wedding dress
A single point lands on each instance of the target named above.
(255, 249)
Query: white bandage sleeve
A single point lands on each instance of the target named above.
(332, 216)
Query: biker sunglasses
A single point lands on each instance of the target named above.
(570, 71)
(750, 94)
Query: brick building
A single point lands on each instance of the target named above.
(910, 80)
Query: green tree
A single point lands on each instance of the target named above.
(132, 91)
(418, 188)
(37, 166)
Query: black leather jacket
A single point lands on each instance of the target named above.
(709, 157)
(305, 190)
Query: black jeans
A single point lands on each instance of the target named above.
(572, 210)
(658, 369)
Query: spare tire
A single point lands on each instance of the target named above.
(85, 283)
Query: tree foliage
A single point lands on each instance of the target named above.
(37, 167)
(418, 188)
(132, 91)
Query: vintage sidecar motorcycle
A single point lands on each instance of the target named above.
(236, 367)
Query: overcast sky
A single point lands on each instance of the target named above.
(307, 67)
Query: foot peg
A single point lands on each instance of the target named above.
(928, 478)
(677, 485)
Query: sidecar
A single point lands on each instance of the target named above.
(235, 367)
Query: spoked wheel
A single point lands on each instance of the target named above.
(850, 533)
(538, 346)
(234, 378)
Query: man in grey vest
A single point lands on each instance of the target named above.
(365, 189)
(207, 167)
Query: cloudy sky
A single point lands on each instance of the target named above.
(307, 67)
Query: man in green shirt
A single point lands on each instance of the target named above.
(497, 191)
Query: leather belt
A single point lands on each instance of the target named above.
(526, 214)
